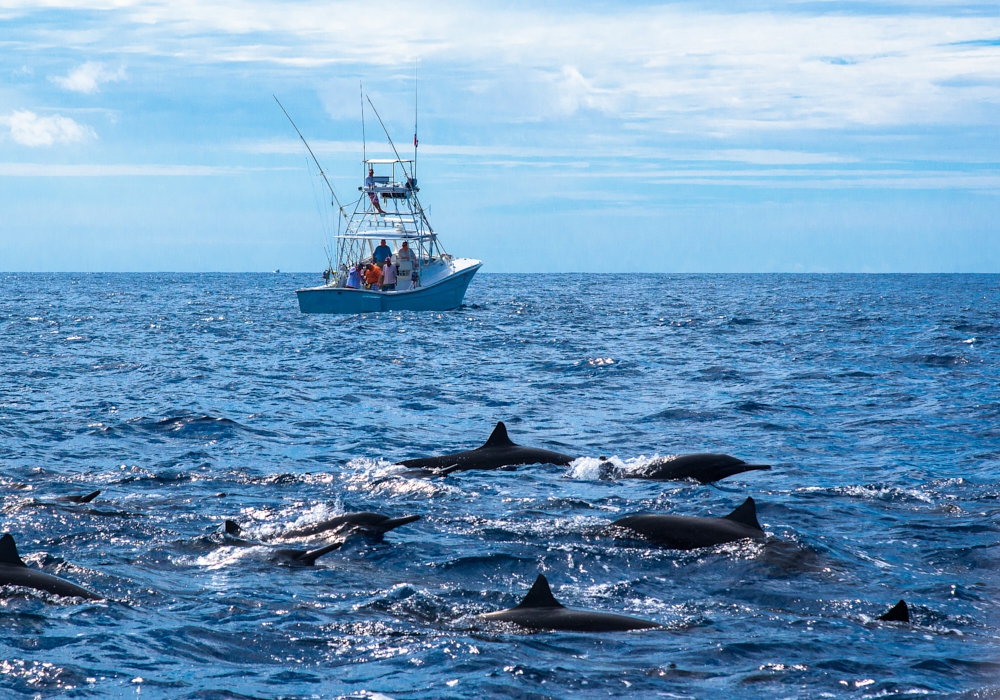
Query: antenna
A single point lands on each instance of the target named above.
(414, 123)
(364, 148)
(339, 205)
(387, 136)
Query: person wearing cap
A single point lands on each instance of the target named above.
(382, 253)
(388, 281)
(354, 278)
(370, 186)
(373, 275)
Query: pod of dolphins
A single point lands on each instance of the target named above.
(539, 610)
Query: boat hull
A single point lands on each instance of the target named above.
(444, 295)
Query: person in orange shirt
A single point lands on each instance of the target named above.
(372, 275)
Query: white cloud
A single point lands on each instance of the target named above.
(686, 67)
(29, 129)
(120, 170)
(679, 67)
(614, 151)
(88, 77)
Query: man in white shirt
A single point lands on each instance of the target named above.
(389, 276)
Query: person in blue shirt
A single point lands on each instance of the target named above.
(354, 277)
(382, 253)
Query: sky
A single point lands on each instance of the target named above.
(557, 137)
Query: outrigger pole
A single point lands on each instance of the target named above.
(339, 205)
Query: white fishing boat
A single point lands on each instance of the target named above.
(386, 222)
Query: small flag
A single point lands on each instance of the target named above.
(414, 139)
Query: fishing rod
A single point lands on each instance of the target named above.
(339, 205)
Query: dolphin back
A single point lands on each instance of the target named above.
(14, 572)
(704, 468)
(497, 452)
(688, 532)
(540, 610)
(372, 524)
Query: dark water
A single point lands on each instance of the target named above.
(876, 398)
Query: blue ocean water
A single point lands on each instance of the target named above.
(189, 399)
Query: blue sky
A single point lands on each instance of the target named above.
(683, 137)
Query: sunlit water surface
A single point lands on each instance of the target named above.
(188, 399)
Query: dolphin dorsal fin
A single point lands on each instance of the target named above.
(746, 514)
(8, 552)
(90, 496)
(233, 528)
(897, 613)
(499, 437)
(540, 596)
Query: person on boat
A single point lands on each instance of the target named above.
(404, 252)
(388, 281)
(373, 275)
(382, 253)
(370, 186)
(354, 277)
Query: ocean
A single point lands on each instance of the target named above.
(189, 399)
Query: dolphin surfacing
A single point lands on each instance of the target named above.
(86, 498)
(499, 451)
(372, 525)
(286, 556)
(541, 611)
(689, 532)
(14, 572)
(703, 468)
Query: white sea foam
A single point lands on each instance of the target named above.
(593, 468)
(222, 557)
(389, 479)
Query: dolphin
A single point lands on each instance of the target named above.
(302, 557)
(688, 532)
(897, 613)
(14, 572)
(372, 525)
(368, 524)
(288, 557)
(541, 611)
(499, 451)
(86, 498)
(703, 468)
